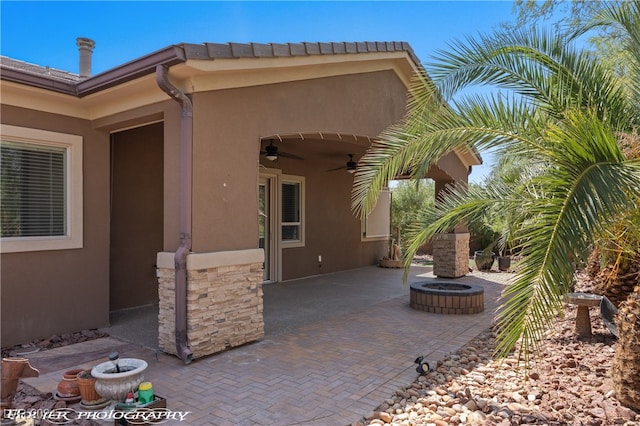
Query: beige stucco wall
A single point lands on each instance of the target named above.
(59, 291)
(168, 112)
(228, 125)
(67, 290)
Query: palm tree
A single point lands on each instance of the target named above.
(560, 112)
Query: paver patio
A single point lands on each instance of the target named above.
(345, 345)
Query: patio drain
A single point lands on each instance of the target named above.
(447, 298)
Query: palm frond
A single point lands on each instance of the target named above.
(577, 205)
(542, 67)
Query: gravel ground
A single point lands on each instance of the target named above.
(568, 384)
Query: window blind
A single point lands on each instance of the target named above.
(32, 190)
(290, 211)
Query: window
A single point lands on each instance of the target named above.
(292, 214)
(40, 190)
(377, 224)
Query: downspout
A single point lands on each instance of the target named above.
(186, 150)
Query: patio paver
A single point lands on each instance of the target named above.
(330, 371)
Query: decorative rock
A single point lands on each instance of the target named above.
(441, 391)
(476, 418)
(533, 396)
(471, 405)
(449, 411)
(479, 378)
(515, 396)
(385, 417)
(517, 407)
(482, 391)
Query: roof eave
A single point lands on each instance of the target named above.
(34, 80)
(145, 65)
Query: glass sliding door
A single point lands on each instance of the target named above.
(265, 241)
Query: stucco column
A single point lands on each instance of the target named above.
(451, 249)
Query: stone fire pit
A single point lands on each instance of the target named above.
(449, 298)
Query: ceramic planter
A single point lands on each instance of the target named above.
(504, 263)
(484, 260)
(115, 386)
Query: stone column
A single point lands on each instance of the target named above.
(224, 300)
(451, 250)
(451, 255)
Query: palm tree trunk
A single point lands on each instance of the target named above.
(625, 371)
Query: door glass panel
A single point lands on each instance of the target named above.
(263, 226)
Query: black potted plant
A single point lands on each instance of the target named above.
(505, 245)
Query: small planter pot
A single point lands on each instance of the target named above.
(484, 260)
(389, 263)
(87, 386)
(504, 263)
(68, 386)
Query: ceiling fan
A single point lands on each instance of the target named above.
(272, 153)
(351, 166)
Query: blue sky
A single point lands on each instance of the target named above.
(44, 33)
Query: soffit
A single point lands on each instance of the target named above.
(127, 96)
(204, 75)
(196, 75)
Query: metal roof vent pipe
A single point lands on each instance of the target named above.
(85, 46)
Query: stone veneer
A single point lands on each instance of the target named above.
(224, 300)
(451, 255)
(449, 302)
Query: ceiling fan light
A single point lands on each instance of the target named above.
(272, 152)
(351, 165)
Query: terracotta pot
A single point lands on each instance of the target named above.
(12, 370)
(87, 386)
(68, 386)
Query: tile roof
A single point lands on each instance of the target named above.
(14, 64)
(270, 50)
(70, 83)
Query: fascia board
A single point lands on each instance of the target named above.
(244, 72)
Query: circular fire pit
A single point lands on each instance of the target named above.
(442, 297)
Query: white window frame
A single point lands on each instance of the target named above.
(301, 181)
(376, 226)
(72, 144)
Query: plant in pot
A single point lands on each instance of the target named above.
(505, 226)
(483, 235)
(484, 259)
(87, 385)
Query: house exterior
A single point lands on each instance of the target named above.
(158, 182)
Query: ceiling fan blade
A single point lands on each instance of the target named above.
(287, 155)
(273, 151)
(350, 167)
(337, 168)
